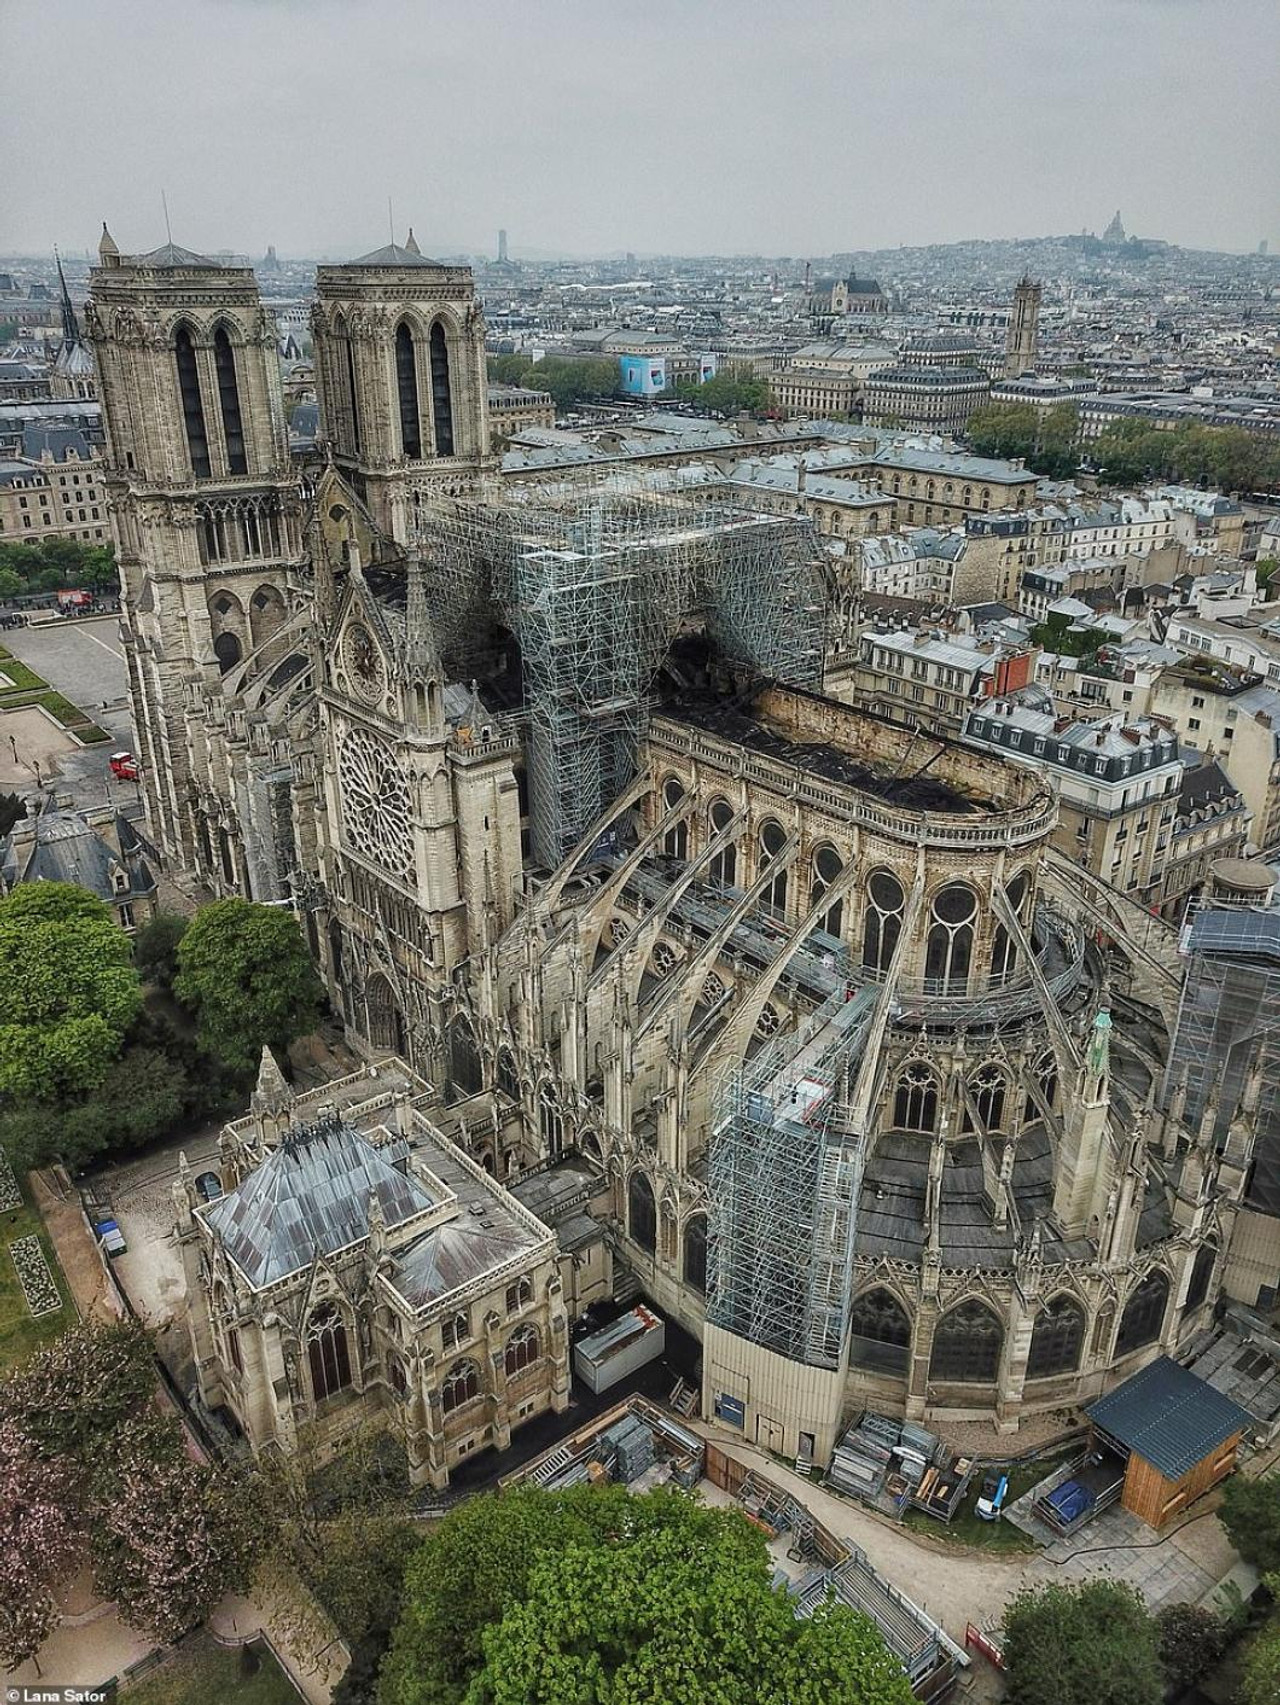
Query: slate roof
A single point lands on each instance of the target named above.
(452, 1255)
(1169, 1417)
(170, 255)
(310, 1195)
(66, 848)
(392, 254)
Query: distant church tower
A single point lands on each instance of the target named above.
(400, 370)
(1022, 341)
(205, 510)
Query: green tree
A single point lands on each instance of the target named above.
(726, 393)
(244, 973)
(1093, 1644)
(676, 1615)
(74, 1395)
(12, 810)
(1045, 441)
(68, 990)
(49, 564)
(12, 585)
(509, 369)
(1250, 1513)
(1262, 1659)
(1191, 1639)
(155, 948)
(592, 1593)
(1265, 569)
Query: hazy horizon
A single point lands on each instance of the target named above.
(718, 128)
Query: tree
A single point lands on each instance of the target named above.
(592, 1593)
(726, 393)
(48, 564)
(171, 1536)
(155, 948)
(1092, 1644)
(1191, 1639)
(675, 1615)
(40, 1535)
(68, 990)
(1262, 1660)
(1264, 571)
(12, 810)
(243, 971)
(74, 1395)
(1250, 1513)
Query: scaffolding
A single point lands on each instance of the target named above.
(595, 580)
(1228, 1026)
(784, 1176)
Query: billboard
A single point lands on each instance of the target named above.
(707, 367)
(643, 375)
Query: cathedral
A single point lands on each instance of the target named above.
(673, 975)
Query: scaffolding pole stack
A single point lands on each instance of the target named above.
(784, 1174)
(595, 579)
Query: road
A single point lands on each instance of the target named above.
(84, 661)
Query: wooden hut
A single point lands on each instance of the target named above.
(1178, 1433)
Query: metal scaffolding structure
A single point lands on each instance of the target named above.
(784, 1173)
(595, 579)
(1228, 1025)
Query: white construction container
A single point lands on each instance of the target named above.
(627, 1343)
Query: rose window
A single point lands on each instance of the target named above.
(375, 803)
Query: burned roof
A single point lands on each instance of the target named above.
(1169, 1417)
(815, 757)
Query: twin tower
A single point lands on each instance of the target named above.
(206, 504)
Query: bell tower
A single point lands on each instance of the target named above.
(1022, 342)
(400, 373)
(205, 509)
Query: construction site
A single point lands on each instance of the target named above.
(595, 583)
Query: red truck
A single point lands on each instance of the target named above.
(71, 603)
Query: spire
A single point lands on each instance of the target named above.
(420, 657)
(108, 253)
(271, 1093)
(70, 324)
(411, 243)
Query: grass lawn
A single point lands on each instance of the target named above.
(19, 1333)
(202, 1672)
(968, 1528)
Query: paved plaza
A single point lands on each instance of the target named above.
(84, 661)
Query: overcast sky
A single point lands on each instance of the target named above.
(678, 126)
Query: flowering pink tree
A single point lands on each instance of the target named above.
(41, 1530)
(172, 1536)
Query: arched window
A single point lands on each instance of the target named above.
(519, 1295)
(724, 866)
(521, 1351)
(395, 1370)
(880, 1332)
(589, 1144)
(192, 403)
(675, 843)
(508, 1076)
(695, 1253)
(883, 923)
(987, 1090)
(1201, 1273)
(224, 366)
(386, 1021)
(827, 866)
(642, 1212)
(459, 1386)
(407, 393)
(465, 1070)
(915, 1102)
(335, 950)
(227, 650)
(1057, 1339)
(1143, 1313)
(441, 400)
(1103, 1327)
(773, 837)
(967, 1344)
(327, 1352)
(1004, 955)
(950, 942)
(550, 1122)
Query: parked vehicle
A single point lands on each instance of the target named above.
(123, 766)
(111, 1237)
(995, 1489)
